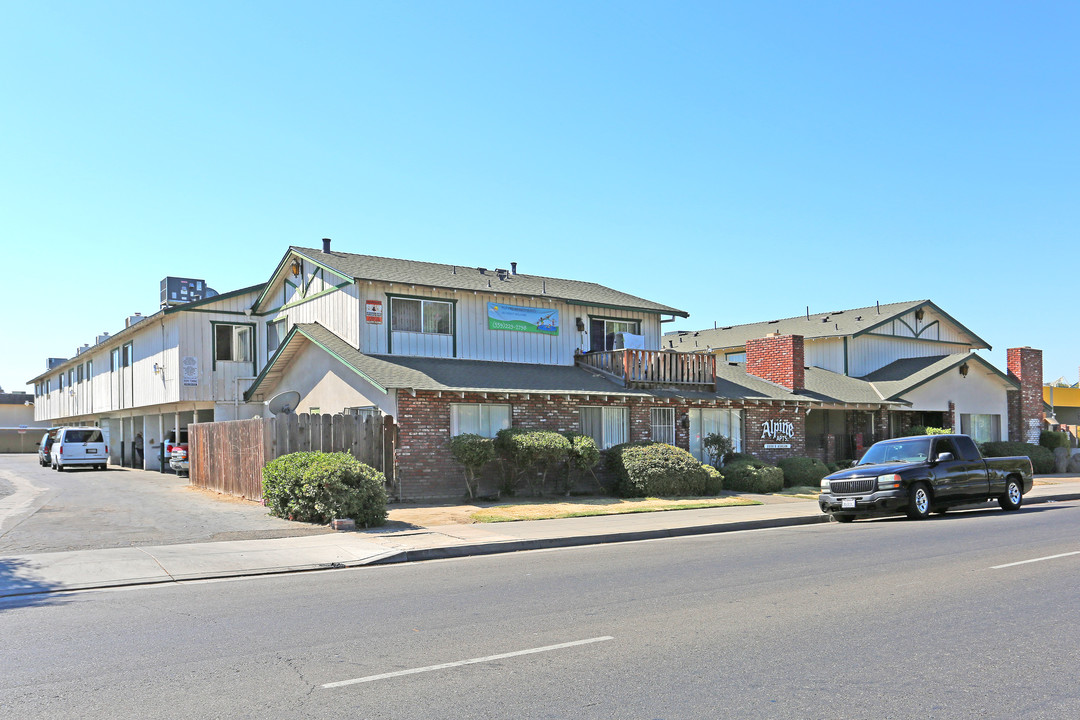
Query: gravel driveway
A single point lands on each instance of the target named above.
(42, 510)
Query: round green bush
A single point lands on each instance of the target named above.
(1042, 459)
(472, 452)
(656, 469)
(1053, 439)
(714, 481)
(738, 457)
(319, 487)
(753, 476)
(802, 471)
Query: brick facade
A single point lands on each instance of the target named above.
(1025, 404)
(425, 470)
(778, 359)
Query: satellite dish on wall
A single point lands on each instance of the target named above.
(284, 403)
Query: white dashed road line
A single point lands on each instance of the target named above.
(473, 661)
(1025, 562)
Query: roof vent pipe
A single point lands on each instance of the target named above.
(326, 245)
(513, 268)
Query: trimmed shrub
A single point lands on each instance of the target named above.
(714, 481)
(656, 469)
(833, 467)
(753, 476)
(532, 453)
(582, 458)
(739, 457)
(1051, 439)
(927, 430)
(1042, 459)
(472, 452)
(802, 471)
(319, 487)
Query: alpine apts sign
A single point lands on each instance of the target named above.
(780, 432)
(522, 319)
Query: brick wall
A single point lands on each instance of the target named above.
(1025, 404)
(778, 359)
(787, 420)
(426, 471)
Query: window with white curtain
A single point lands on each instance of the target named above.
(608, 425)
(722, 421)
(478, 419)
(663, 425)
(981, 428)
(420, 316)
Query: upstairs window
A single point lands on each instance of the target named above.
(128, 355)
(602, 332)
(81, 370)
(421, 316)
(232, 343)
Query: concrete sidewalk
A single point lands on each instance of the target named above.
(30, 574)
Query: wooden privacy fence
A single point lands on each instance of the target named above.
(229, 456)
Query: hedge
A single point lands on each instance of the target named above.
(649, 469)
(753, 476)
(319, 487)
(714, 481)
(532, 454)
(802, 471)
(1051, 439)
(1042, 459)
(927, 430)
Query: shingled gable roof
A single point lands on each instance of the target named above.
(903, 376)
(839, 323)
(458, 277)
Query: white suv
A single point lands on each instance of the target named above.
(79, 446)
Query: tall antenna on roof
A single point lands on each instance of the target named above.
(808, 313)
(878, 307)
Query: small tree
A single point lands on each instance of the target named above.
(472, 452)
(717, 446)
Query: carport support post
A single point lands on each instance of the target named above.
(161, 442)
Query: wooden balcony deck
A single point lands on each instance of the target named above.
(653, 368)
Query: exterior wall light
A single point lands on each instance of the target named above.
(296, 268)
(964, 370)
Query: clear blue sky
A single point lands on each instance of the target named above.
(740, 161)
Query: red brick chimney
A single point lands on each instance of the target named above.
(1025, 404)
(778, 359)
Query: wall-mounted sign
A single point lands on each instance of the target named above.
(777, 446)
(189, 371)
(777, 430)
(373, 312)
(523, 319)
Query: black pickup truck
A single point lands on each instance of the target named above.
(920, 475)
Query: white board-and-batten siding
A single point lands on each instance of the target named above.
(339, 311)
(475, 341)
(868, 353)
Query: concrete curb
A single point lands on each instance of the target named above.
(509, 546)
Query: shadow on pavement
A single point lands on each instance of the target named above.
(18, 590)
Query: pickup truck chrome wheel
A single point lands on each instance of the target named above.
(918, 507)
(1013, 497)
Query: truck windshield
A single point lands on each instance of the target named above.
(897, 451)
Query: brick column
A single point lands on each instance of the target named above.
(1025, 404)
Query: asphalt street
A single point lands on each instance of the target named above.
(965, 615)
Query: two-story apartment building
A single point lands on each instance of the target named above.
(449, 349)
(185, 363)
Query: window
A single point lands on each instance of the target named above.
(602, 332)
(478, 418)
(275, 333)
(48, 386)
(982, 428)
(79, 374)
(663, 425)
(71, 377)
(128, 352)
(232, 343)
(421, 316)
(114, 360)
(735, 356)
(89, 370)
(608, 426)
(706, 421)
